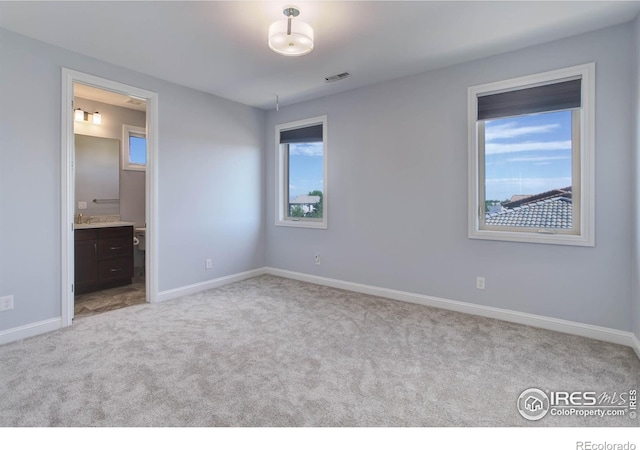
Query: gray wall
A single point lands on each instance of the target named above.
(398, 187)
(635, 306)
(398, 192)
(132, 182)
(210, 178)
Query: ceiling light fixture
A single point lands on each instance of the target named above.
(290, 38)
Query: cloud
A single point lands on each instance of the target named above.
(511, 129)
(560, 181)
(306, 149)
(537, 159)
(501, 188)
(494, 148)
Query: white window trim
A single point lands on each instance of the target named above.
(281, 203)
(586, 234)
(128, 130)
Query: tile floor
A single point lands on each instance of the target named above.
(110, 299)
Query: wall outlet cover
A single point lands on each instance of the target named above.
(6, 303)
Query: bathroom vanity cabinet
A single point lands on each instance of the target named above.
(103, 258)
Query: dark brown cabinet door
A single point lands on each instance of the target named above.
(86, 266)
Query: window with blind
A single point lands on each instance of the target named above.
(531, 158)
(301, 170)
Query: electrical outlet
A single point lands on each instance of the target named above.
(6, 303)
(208, 264)
(317, 257)
(479, 282)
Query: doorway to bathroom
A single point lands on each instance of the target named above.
(110, 219)
(109, 148)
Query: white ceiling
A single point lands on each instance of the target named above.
(108, 97)
(221, 47)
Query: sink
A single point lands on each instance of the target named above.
(83, 226)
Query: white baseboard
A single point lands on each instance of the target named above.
(45, 326)
(548, 323)
(29, 330)
(636, 344)
(209, 284)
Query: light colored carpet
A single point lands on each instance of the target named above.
(276, 352)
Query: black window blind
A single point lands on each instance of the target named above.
(312, 133)
(549, 97)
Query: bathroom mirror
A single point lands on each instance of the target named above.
(97, 175)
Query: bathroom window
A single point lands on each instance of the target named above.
(134, 148)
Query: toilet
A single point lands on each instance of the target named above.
(140, 236)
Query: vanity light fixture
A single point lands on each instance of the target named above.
(83, 116)
(290, 38)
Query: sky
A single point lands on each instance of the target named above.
(305, 168)
(527, 154)
(137, 150)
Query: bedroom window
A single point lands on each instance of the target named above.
(531, 158)
(134, 148)
(301, 173)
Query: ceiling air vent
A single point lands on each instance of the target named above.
(340, 76)
(135, 101)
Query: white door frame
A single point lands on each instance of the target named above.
(68, 184)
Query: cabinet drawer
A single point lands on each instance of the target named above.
(115, 248)
(115, 269)
(114, 232)
(85, 235)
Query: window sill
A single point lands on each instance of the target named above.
(534, 238)
(302, 224)
(135, 168)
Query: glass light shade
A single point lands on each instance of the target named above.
(78, 115)
(299, 42)
(97, 118)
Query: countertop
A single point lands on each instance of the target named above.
(84, 226)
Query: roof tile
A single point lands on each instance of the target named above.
(550, 213)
